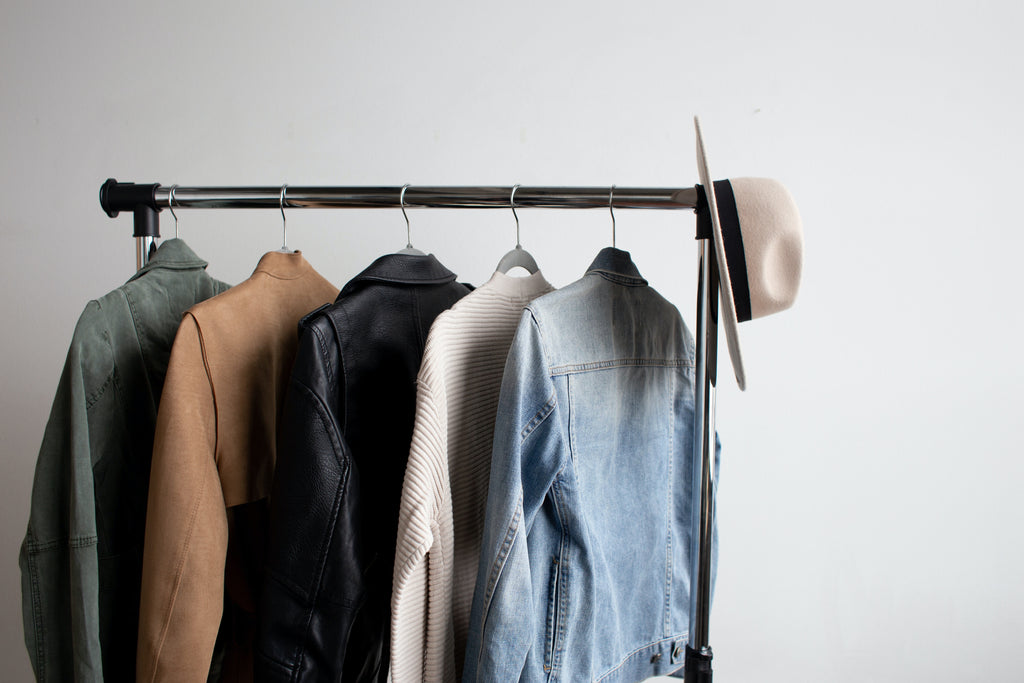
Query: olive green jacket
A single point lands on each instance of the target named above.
(81, 560)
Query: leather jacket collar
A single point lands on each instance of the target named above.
(405, 269)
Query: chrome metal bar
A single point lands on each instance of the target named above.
(704, 449)
(479, 197)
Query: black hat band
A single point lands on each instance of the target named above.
(732, 239)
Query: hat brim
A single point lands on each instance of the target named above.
(728, 317)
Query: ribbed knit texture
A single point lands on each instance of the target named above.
(445, 490)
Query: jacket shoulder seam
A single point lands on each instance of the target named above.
(213, 389)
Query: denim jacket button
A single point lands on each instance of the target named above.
(677, 653)
(655, 658)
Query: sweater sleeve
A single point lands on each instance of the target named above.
(186, 524)
(422, 632)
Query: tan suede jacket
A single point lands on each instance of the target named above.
(213, 465)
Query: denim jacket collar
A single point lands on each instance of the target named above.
(616, 266)
(173, 254)
(404, 269)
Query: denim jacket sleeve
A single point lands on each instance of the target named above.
(529, 452)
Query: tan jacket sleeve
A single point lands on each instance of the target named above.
(422, 633)
(186, 524)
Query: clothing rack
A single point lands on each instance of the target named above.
(146, 201)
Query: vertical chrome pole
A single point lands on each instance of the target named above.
(144, 248)
(698, 651)
(147, 230)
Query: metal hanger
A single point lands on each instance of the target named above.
(170, 205)
(409, 249)
(611, 210)
(284, 222)
(517, 256)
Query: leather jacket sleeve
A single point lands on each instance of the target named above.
(314, 584)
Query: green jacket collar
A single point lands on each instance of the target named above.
(173, 254)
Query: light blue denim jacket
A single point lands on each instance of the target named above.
(585, 563)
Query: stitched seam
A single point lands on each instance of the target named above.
(435, 530)
(213, 391)
(277, 276)
(179, 568)
(669, 516)
(178, 573)
(496, 569)
(416, 316)
(83, 542)
(634, 653)
(342, 372)
(570, 416)
(566, 581)
(37, 611)
(536, 323)
(132, 308)
(538, 418)
(140, 332)
(96, 395)
(140, 328)
(385, 279)
(511, 532)
(324, 356)
(561, 599)
(551, 618)
(72, 542)
(619, 363)
(326, 543)
(619, 278)
(184, 265)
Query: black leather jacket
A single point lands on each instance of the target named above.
(342, 450)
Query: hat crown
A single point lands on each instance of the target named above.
(772, 235)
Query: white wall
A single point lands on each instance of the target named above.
(869, 524)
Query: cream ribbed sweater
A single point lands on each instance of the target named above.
(445, 490)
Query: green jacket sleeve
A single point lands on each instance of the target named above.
(59, 565)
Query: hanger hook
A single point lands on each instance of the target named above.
(284, 218)
(408, 231)
(512, 201)
(170, 205)
(611, 210)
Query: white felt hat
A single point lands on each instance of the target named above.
(759, 242)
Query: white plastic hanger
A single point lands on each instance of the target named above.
(409, 249)
(517, 256)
